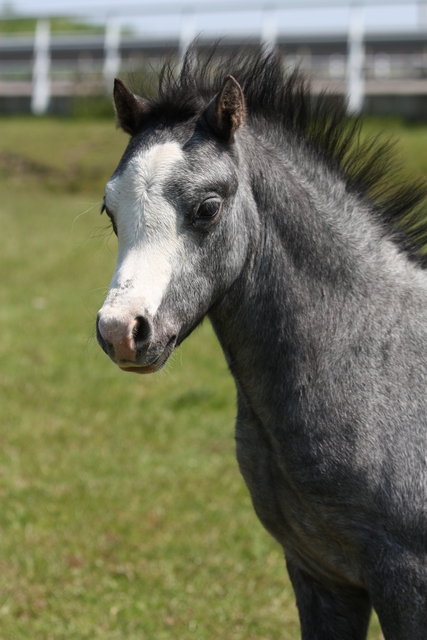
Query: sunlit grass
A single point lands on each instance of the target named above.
(123, 512)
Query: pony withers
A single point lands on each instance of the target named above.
(242, 198)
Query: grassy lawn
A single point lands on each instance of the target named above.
(123, 512)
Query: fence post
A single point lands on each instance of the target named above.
(422, 14)
(112, 58)
(356, 60)
(187, 32)
(40, 96)
(269, 28)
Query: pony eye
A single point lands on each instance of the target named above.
(208, 209)
(113, 223)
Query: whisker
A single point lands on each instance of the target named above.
(92, 205)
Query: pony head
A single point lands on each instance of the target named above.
(177, 206)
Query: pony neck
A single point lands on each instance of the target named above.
(319, 262)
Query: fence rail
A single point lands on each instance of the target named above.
(356, 64)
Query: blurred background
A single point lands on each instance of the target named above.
(123, 515)
(372, 51)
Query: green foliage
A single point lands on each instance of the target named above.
(123, 512)
(93, 107)
(14, 25)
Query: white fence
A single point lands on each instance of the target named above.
(356, 63)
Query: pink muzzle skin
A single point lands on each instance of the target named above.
(120, 335)
(125, 350)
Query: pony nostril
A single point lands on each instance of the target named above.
(101, 340)
(141, 332)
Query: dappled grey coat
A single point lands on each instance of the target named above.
(242, 198)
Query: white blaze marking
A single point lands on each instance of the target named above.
(148, 233)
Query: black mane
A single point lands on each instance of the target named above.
(281, 102)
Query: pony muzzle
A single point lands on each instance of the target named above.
(127, 341)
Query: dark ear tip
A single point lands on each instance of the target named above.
(119, 86)
(232, 78)
(227, 111)
(131, 110)
(230, 81)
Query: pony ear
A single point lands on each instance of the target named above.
(227, 111)
(131, 110)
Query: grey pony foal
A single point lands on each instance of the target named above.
(241, 198)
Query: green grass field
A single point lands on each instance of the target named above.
(123, 514)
